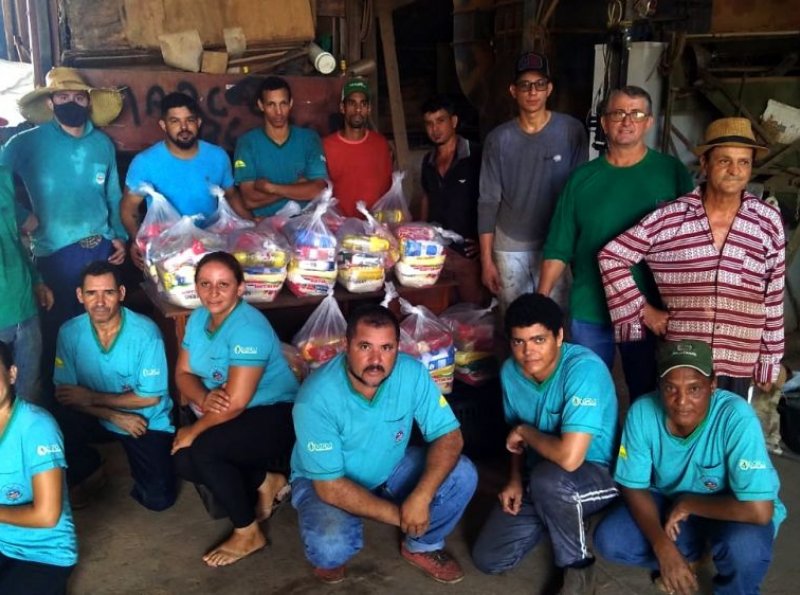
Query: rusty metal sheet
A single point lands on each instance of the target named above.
(227, 101)
(742, 16)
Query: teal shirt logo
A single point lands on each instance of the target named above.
(746, 465)
(319, 446)
(584, 402)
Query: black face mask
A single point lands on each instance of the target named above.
(71, 114)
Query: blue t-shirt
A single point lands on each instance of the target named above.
(134, 362)
(32, 444)
(724, 455)
(72, 182)
(185, 183)
(578, 396)
(342, 434)
(257, 156)
(245, 338)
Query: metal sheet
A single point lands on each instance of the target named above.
(227, 101)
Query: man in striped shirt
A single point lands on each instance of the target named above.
(717, 255)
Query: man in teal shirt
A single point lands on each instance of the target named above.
(603, 198)
(560, 401)
(112, 380)
(279, 162)
(353, 420)
(21, 288)
(693, 470)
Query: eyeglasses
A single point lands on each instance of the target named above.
(538, 84)
(619, 115)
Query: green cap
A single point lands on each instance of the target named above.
(685, 354)
(355, 85)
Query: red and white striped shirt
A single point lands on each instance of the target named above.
(731, 299)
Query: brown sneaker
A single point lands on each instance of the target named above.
(330, 576)
(439, 565)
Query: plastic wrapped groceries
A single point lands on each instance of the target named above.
(366, 250)
(473, 331)
(297, 364)
(323, 334)
(160, 217)
(312, 267)
(429, 340)
(175, 254)
(422, 253)
(264, 255)
(225, 220)
(392, 207)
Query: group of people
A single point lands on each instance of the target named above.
(695, 327)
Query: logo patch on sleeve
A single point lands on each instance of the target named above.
(239, 163)
(59, 362)
(623, 453)
(442, 401)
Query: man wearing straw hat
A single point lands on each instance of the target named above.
(717, 255)
(69, 169)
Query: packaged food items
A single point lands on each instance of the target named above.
(175, 254)
(323, 334)
(264, 256)
(473, 331)
(225, 220)
(422, 253)
(297, 364)
(161, 216)
(392, 207)
(429, 340)
(312, 265)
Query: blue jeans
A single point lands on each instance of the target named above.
(519, 273)
(332, 536)
(741, 551)
(638, 357)
(556, 501)
(25, 341)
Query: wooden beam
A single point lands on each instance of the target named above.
(384, 8)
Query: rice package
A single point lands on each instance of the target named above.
(225, 220)
(297, 364)
(160, 217)
(366, 250)
(175, 254)
(264, 256)
(422, 253)
(392, 207)
(323, 334)
(312, 265)
(473, 331)
(428, 339)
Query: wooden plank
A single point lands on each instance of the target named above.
(746, 15)
(385, 20)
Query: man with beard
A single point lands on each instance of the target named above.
(69, 169)
(450, 175)
(278, 162)
(359, 159)
(111, 380)
(353, 420)
(181, 167)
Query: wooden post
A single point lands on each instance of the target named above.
(386, 23)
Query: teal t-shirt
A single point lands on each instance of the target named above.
(134, 362)
(342, 434)
(186, 183)
(724, 455)
(245, 338)
(32, 444)
(72, 182)
(578, 396)
(599, 202)
(257, 156)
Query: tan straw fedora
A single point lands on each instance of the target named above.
(731, 132)
(106, 104)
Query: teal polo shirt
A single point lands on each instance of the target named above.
(579, 396)
(342, 434)
(134, 362)
(245, 338)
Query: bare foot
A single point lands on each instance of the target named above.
(241, 543)
(273, 488)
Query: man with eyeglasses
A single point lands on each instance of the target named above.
(181, 167)
(359, 159)
(526, 163)
(600, 200)
(717, 255)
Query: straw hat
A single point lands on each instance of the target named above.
(731, 132)
(106, 104)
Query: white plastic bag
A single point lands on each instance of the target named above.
(225, 220)
(428, 339)
(392, 207)
(473, 331)
(324, 333)
(160, 217)
(312, 268)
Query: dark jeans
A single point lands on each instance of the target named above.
(18, 577)
(638, 357)
(739, 386)
(556, 501)
(148, 457)
(742, 552)
(232, 459)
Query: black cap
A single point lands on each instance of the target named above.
(532, 61)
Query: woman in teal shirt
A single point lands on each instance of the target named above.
(232, 374)
(38, 548)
